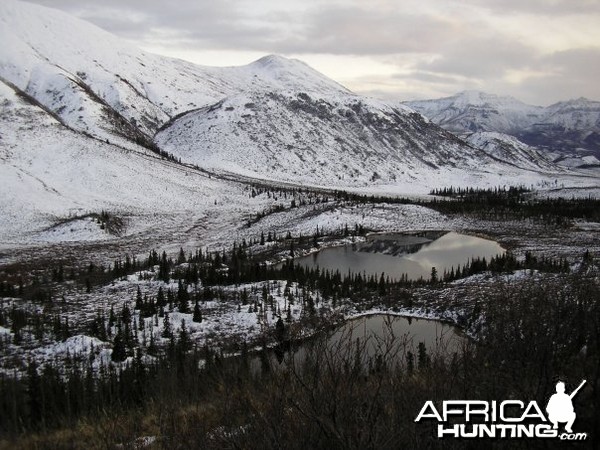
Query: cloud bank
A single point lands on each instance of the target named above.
(540, 51)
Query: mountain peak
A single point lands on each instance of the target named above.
(478, 98)
(275, 60)
(294, 74)
(580, 102)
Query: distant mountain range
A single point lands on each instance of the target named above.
(87, 120)
(566, 129)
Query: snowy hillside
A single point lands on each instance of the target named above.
(96, 83)
(341, 140)
(509, 149)
(566, 127)
(56, 183)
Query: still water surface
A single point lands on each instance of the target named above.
(378, 338)
(396, 254)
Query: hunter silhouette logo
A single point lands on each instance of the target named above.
(560, 407)
(506, 419)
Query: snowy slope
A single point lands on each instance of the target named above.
(567, 127)
(53, 181)
(575, 114)
(80, 72)
(510, 149)
(334, 140)
(96, 84)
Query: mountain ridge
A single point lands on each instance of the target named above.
(570, 126)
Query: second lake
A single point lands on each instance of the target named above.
(395, 254)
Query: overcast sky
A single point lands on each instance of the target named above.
(540, 51)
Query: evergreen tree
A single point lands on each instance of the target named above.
(160, 298)
(167, 333)
(138, 299)
(434, 275)
(182, 298)
(197, 314)
(164, 268)
(184, 342)
(119, 352)
(181, 257)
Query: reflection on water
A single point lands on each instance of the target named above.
(380, 329)
(396, 254)
(373, 339)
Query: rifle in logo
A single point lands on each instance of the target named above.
(560, 407)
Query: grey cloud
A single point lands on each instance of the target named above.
(584, 61)
(566, 74)
(482, 56)
(219, 24)
(429, 77)
(539, 7)
(560, 76)
(341, 30)
(362, 31)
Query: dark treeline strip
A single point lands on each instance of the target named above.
(515, 192)
(511, 203)
(556, 212)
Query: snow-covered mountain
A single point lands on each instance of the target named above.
(336, 139)
(565, 127)
(85, 118)
(473, 111)
(509, 149)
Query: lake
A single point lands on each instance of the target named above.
(396, 254)
(381, 330)
(372, 339)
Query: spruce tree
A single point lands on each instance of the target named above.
(184, 342)
(119, 352)
(167, 333)
(434, 276)
(138, 299)
(197, 314)
(181, 257)
(182, 298)
(160, 298)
